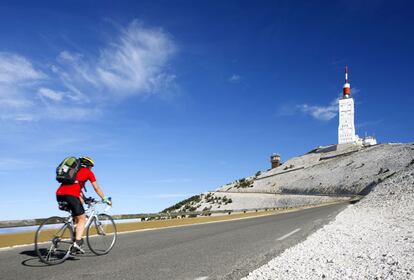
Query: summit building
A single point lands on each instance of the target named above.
(346, 128)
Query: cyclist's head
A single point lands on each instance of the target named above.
(86, 162)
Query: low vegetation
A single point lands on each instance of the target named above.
(212, 199)
(244, 183)
(189, 204)
(289, 167)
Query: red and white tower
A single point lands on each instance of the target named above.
(347, 86)
(346, 128)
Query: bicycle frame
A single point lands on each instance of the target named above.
(91, 213)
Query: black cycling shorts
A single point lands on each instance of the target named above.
(74, 204)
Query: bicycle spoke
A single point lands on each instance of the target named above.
(101, 234)
(53, 240)
(50, 251)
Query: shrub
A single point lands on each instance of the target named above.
(194, 198)
(244, 183)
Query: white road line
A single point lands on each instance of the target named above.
(201, 278)
(289, 234)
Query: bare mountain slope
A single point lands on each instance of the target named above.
(322, 175)
(372, 239)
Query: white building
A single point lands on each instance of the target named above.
(369, 141)
(346, 128)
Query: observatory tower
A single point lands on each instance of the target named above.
(346, 128)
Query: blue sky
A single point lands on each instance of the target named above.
(174, 98)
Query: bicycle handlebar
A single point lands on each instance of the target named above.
(91, 200)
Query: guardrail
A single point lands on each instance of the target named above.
(156, 216)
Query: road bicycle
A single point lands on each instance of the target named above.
(55, 236)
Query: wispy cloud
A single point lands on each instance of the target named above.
(51, 94)
(136, 62)
(17, 78)
(318, 112)
(322, 113)
(7, 164)
(234, 78)
(17, 69)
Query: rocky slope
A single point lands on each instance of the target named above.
(324, 174)
(373, 239)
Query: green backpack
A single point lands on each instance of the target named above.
(67, 170)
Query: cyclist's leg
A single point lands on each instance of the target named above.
(80, 226)
(78, 213)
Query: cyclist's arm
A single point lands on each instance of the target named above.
(82, 197)
(98, 189)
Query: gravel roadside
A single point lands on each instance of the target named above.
(373, 239)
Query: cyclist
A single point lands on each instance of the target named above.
(72, 194)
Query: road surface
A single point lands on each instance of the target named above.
(224, 250)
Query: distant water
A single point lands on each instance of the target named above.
(18, 229)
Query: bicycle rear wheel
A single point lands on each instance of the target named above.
(101, 234)
(53, 240)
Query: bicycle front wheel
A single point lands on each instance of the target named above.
(101, 234)
(53, 240)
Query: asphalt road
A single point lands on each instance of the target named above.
(224, 250)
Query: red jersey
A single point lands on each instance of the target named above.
(84, 174)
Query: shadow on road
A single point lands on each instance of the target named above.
(34, 261)
(31, 253)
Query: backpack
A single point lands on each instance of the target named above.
(67, 170)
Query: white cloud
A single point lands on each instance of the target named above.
(51, 94)
(7, 164)
(234, 78)
(17, 78)
(323, 113)
(17, 69)
(133, 64)
(136, 62)
(73, 113)
(10, 101)
(19, 117)
(67, 56)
